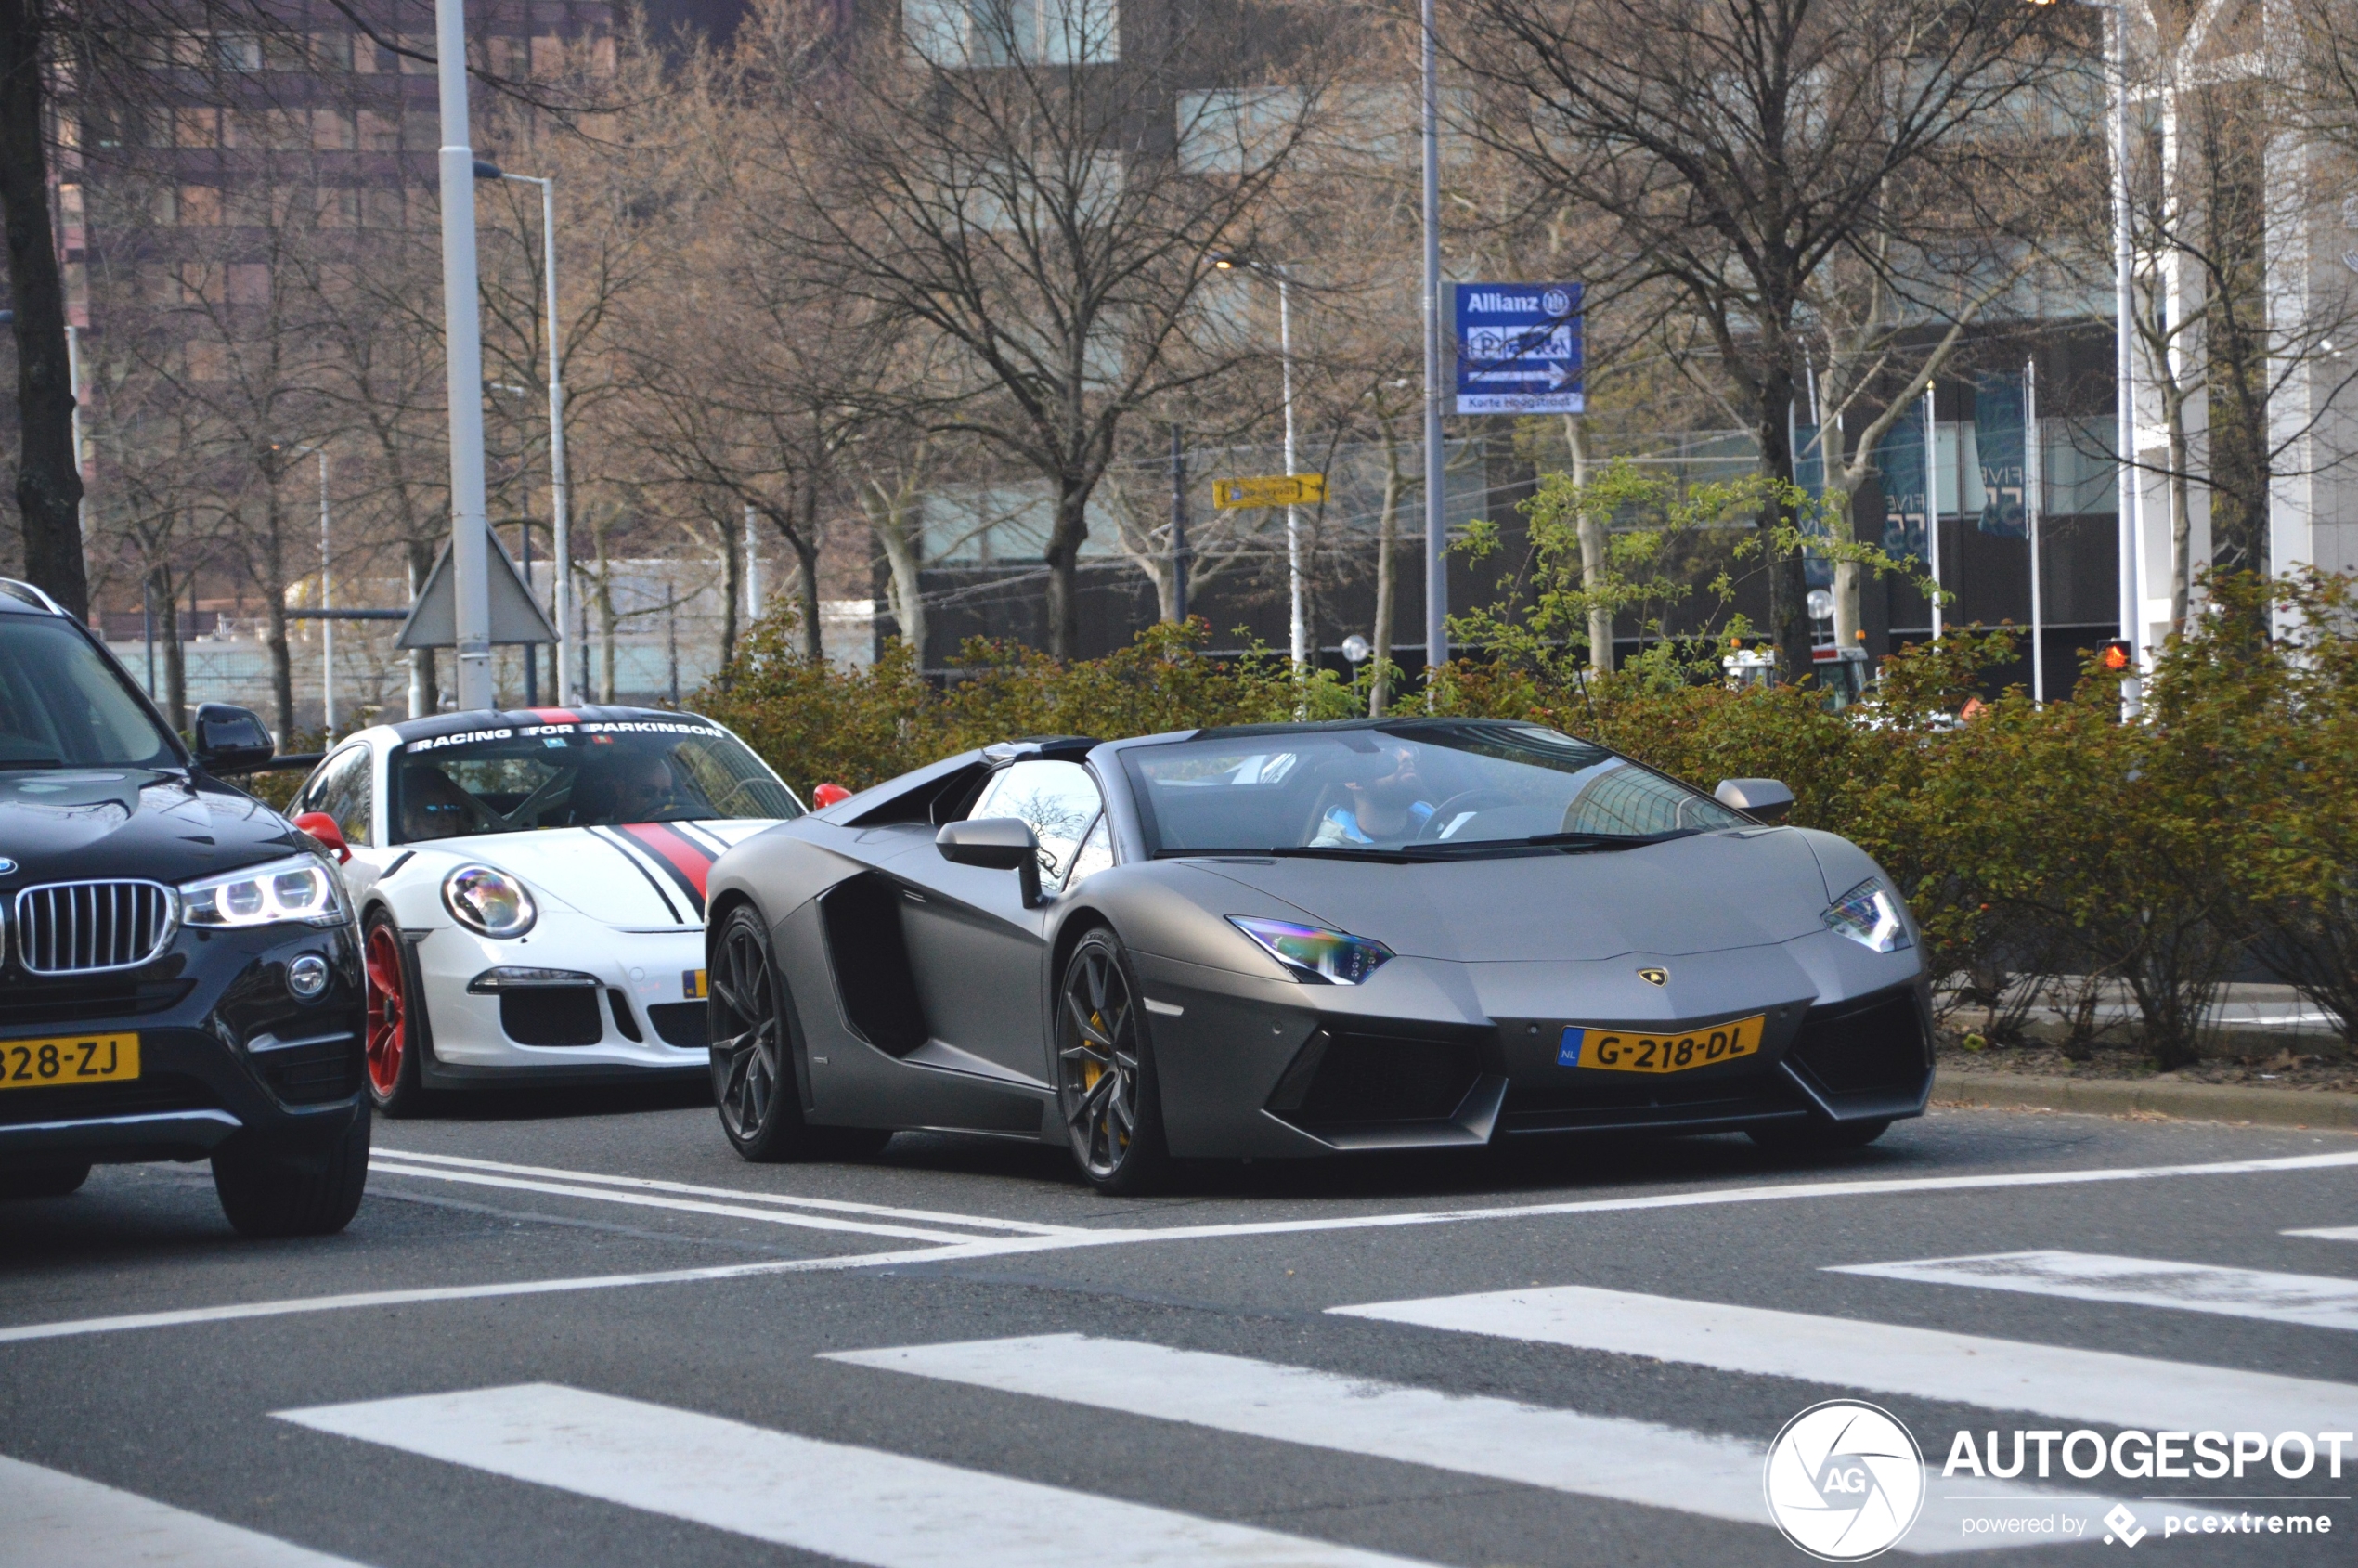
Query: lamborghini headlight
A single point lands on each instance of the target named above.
(488, 901)
(301, 887)
(1869, 915)
(1333, 957)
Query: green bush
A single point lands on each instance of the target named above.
(2044, 850)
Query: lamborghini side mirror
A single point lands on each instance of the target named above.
(1764, 798)
(995, 844)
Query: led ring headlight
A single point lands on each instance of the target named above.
(488, 901)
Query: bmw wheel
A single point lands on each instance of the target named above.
(395, 1026)
(753, 1075)
(1105, 1070)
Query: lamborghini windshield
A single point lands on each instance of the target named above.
(588, 774)
(1434, 787)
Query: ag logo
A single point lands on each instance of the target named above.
(1652, 975)
(1844, 1481)
(1555, 301)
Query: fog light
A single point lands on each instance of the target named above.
(308, 976)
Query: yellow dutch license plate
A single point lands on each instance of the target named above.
(1628, 1051)
(90, 1058)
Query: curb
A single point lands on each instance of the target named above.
(2202, 1102)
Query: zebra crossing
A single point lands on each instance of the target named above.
(867, 1505)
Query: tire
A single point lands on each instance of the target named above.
(49, 1181)
(395, 1031)
(270, 1192)
(1820, 1137)
(1107, 1091)
(754, 1085)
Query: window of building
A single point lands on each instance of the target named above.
(199, 206)
(969, 34)
(339, 207)
(378, 132)
(236, 51)
(331, 52)
(331, 131)
(418, 57)
(195, 127)
(381, 208)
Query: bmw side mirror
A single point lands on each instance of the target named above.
(995, 844)
(1764, 798)
(230, 740)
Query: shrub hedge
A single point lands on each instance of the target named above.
(2045, 850)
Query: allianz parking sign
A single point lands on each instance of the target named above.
(1519, 348)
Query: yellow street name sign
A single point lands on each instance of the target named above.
(1272, 489)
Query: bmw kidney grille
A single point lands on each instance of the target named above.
(78, 927)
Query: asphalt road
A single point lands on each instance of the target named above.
(585, 1334)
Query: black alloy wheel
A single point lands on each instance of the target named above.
(1105, 1087)
(753, 1075)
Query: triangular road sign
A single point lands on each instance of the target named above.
(515, 616)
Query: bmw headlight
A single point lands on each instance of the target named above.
(1869, 915)
(301, 887)
(488, 901)
(1335, 957)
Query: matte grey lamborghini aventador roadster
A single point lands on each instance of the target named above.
(1305, 939)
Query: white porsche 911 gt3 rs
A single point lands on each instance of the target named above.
(530, 887)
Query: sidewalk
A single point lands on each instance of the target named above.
(2161, 1094)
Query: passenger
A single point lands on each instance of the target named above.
(1389, 806)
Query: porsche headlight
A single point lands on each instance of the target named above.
(1313, 954)
(488, 901)
(1869, 915)
(301, 887)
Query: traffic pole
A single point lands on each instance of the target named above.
(462, 337)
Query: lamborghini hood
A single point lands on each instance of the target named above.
(1708, 893)
(646, 875)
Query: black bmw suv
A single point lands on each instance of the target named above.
(179, 979)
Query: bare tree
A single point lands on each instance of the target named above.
(1005, 183)
(1734, 148)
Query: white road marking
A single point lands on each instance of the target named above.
(650, 1200)
(51, 1520)
(238, 1311)
(2305, 1299)
(2330, 1233)
(2080, 1385)
(1618, 1459)
(1117, 1237)
(649, 1184)
(858, 1504)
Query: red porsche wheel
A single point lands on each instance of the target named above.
(392, 1020)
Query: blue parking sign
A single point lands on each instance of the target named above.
(1519, 348)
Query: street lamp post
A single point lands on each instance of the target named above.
(1298, 622)
(1436, 520)
(559, 532)
(462, 351)
(326, 602)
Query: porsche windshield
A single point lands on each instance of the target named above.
(578, 775)
(1422, 786)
